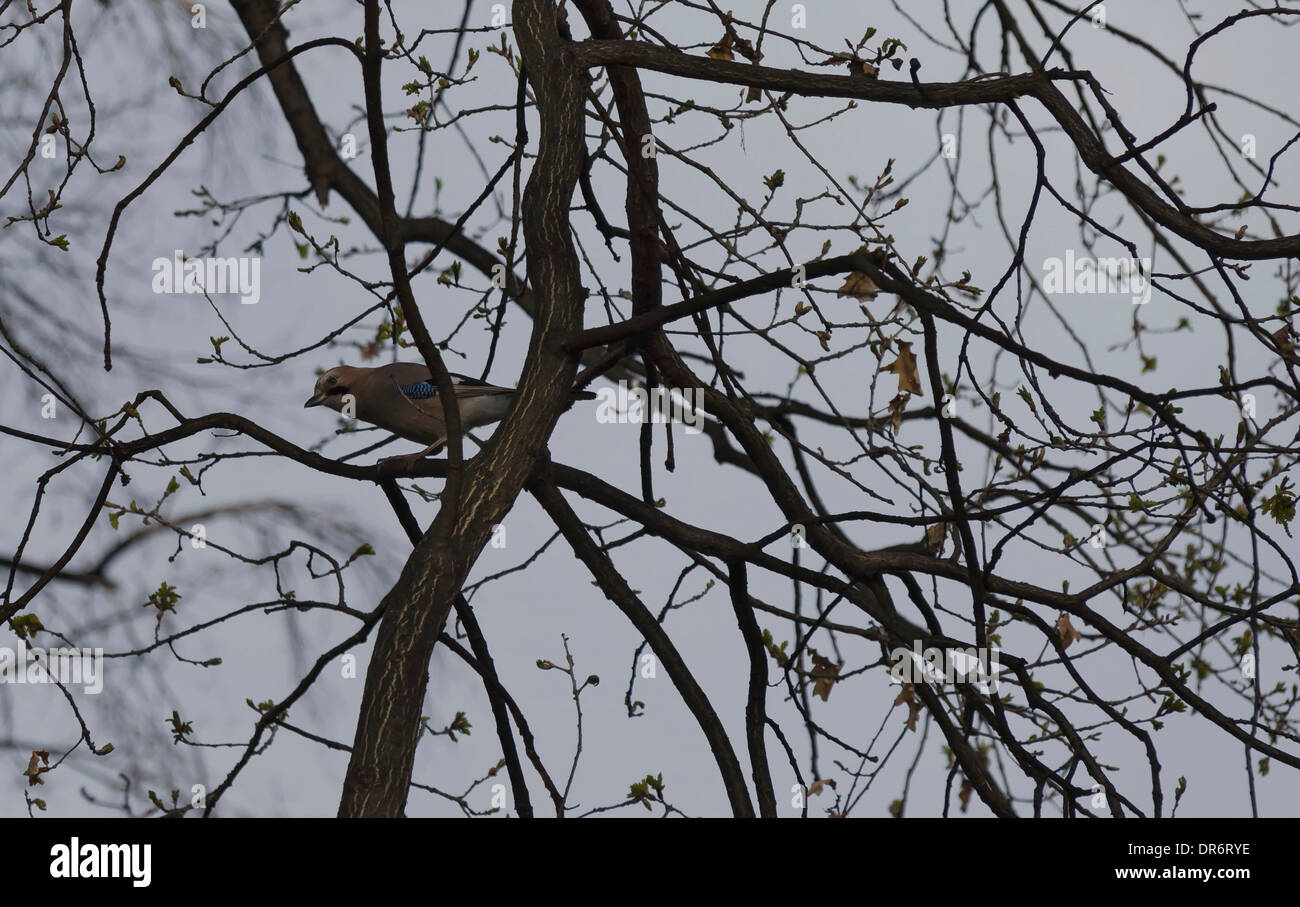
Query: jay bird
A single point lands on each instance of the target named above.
(403, 398)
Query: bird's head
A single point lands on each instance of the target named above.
(332, 388)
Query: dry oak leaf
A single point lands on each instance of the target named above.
(34, 769)
(907, 696)
(964, 794)
(819, 785)
(746, 49)
(935, 535)
(823, 673)
(857, 67)
(1285, 345)
(722, 50)
(859, 286)
(905, 368)
(1066, 631)
(896, 407)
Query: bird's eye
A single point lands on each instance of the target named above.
(332, 379)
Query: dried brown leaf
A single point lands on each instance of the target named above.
(964, 794)
(819, 785)
(896, 408)
(824, 672)
(905, 368)
(859, 286)
(722, 50)
(907, 696)
(34, 770)
(1066, 631)
(934, 537)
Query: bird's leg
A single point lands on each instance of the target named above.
(406, 462)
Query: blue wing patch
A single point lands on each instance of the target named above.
(421, 391)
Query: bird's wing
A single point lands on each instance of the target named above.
(415, 382)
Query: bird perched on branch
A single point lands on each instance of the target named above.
(403, 398)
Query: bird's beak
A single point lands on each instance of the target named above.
(314, 400)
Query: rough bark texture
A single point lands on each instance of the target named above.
(417, 606)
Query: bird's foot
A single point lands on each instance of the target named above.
(399, 467)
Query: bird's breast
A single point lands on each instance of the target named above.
(415, 420)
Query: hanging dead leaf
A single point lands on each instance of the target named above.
(907, 696)
(754, 94)
(964, 794)
(913, 713)
(896, 407)
(857, 66)
(1285, 345)
(905, 368)
(722, 50)
(34, 769)
(1066, 631)
(823, 674)
(819, 785)
(859, 286)
(934, 537)
(745, 48)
